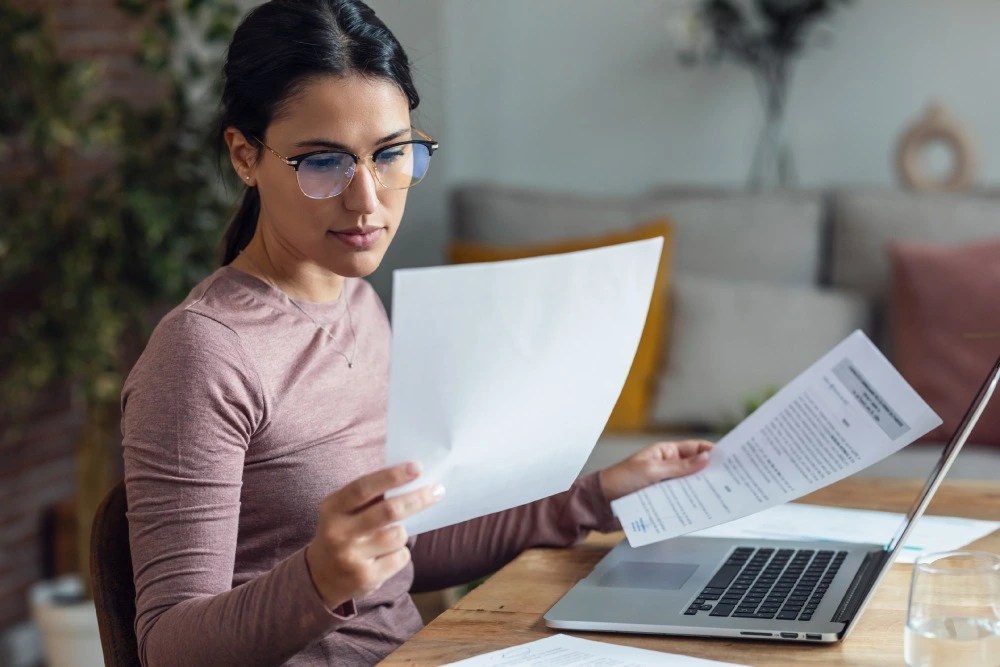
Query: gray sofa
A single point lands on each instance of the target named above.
(762, 284)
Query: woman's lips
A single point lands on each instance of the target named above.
(359, 240)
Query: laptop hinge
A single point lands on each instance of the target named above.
(870, 568)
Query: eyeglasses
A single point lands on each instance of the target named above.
(327, 173)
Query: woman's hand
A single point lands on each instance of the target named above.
(358, 545)
(655, 463)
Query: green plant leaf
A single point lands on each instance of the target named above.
(113, 209)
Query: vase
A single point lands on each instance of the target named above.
(773, 165)
(68, 623)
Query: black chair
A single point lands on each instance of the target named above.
(111, 579)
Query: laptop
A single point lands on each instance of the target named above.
(785, 590)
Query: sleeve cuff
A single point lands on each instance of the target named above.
(306, 589)
(597, 505)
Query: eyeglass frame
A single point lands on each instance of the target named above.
(295, 161)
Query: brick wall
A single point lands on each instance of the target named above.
(37, 464)
(37, 471)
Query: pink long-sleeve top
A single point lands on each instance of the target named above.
(238, 419)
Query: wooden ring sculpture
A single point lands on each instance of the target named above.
(936, 125)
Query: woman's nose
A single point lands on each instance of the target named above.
(361, 194)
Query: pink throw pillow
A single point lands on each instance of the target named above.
(945, 325)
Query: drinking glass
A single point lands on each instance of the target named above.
(954, 613)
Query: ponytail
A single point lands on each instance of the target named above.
(241, 227)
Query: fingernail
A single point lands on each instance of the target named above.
(438, 491)
(702, 457)
(413, 468)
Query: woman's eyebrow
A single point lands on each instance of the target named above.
(327, 143)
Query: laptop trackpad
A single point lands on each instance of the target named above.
(665, 576)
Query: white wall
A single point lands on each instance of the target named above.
(587, 95)
(420, 27)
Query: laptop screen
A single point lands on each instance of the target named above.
(948, 456)
(933, 482)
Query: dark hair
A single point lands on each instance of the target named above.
(281, 45)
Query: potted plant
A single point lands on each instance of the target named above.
(90, 262)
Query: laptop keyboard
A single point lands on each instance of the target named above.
(787, 584)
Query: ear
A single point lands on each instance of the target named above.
(243, 155)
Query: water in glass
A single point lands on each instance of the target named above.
(952, 642)
(953, 618)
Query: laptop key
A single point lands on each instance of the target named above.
(724, 576)
(787, 615)
(723, 610)
(690, 612)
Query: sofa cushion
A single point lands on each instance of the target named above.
(863, 222)
(732, 341)
(769, 237)
(945, 327)
(631, 412)
(503, 215)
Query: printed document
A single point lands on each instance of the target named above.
(567, 651)
(504, 374)
(842, 414)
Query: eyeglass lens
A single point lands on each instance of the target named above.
(328, 174)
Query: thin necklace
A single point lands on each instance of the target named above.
(347, 307)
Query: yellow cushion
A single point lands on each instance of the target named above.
(633, 405)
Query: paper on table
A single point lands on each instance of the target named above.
(815, 522)
(504, 374)
(847, 411)
(566, 650)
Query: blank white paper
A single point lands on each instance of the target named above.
(504, 374)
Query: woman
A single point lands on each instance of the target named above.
(254, 423)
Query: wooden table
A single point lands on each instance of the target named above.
(507, 609)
